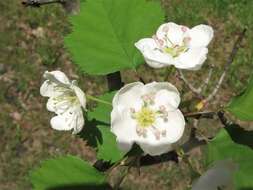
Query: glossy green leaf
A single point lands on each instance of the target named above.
(105, 31)
(107, 149)
(222, 147)
(242, 105)
(66, 172)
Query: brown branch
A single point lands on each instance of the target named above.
(38, 3)
(198, 115)
(227, 65)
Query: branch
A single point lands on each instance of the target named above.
(198, 115)
(206, 82)
(38, 3)
(227, 65)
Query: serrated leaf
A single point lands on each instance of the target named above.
(107, 149)
(67, 172)
(105, 31)
(242, 105)
(102, 112)
(222, 147)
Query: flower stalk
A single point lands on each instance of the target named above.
(98, 100)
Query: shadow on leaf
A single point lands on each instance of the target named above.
(91, 133)
(239, 135)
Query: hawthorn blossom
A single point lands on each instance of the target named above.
(147, 115)
(66, 100)
(177, 45)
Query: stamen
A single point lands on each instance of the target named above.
(184, 29)
(165, 29)
(156, 132)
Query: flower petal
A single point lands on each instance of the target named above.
(152, 54)
(166, 94)
(174, 131)
(174, 126)
(128, 96)
(192, 59)
(124, 128)
(80, 95)
(57, 77)
(47, 89)
(175, 33)
(71, 119)
(155, 150)
(201, 35)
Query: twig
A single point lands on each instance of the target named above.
(198, 115)
(228, 63)
(192, 88)
(38, 3)
(206, 82)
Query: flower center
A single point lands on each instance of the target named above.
(166, 45)
(176, 50)
(145, 117)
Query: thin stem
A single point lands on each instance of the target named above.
(192, 88)
(228, 63)
(207, 80)
(98, 100)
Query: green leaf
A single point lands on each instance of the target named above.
(222, 147)
(66, 172)
(105, 31)
(102, 112)
(242, 105)
(107, 149)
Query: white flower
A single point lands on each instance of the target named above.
(147, 115)
(177, 45)
(66, 99)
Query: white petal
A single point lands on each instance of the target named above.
(201, 35)
(47, 89)
(57, 77)
(174, 126)
(71, 119)
(155, 150)
(175, 33)
(166, 93)
(80, 95)
(124, 128)
(162, 31)
(128, 96)
(193, 59)
(174, 131)
(152, 55)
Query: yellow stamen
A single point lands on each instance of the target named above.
(145, 117)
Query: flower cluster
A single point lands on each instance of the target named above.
(145, 114)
